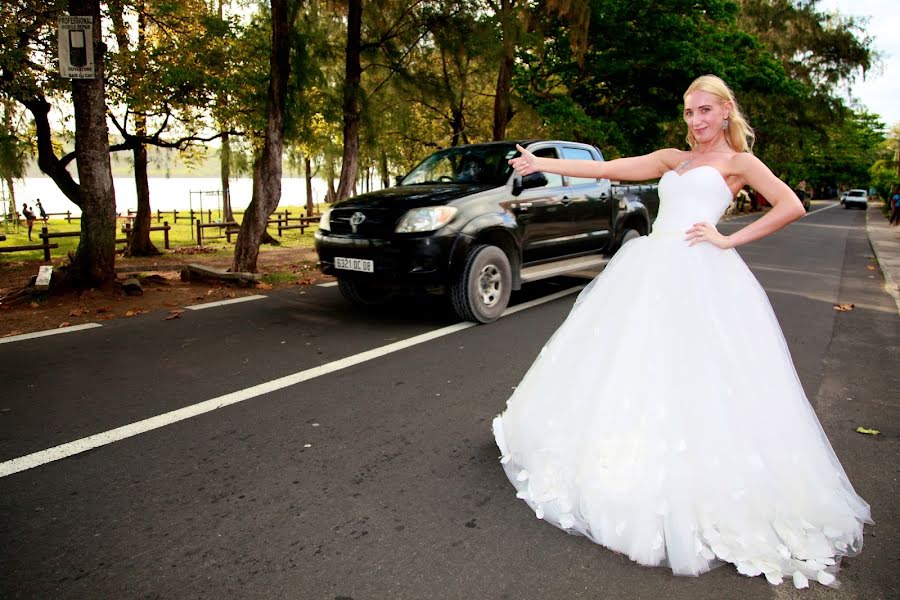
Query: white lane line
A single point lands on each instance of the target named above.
(818, 210)
(37, 334)
(36, 459)
(224, 302)
(328, 284)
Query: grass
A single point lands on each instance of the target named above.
(181, 234)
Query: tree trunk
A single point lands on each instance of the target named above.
(385, 175)
(268, 167)
(225, 162)
(502, 105)
(140, 244)
(94, 261)
(49, 163)
(353, 74)
(330, 192)
(225, 156)
(310, 202)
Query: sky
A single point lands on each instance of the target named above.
(879, 92)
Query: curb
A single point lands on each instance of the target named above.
(885, 242)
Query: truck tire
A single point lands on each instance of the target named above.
(362, 293)
(480, 292)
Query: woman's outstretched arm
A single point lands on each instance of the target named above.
(634, 168)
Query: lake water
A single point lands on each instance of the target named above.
(167, 193)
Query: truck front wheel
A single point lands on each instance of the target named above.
(480, 292)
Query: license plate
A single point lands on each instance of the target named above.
(354, 264)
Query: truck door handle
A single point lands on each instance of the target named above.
(524, 205)
(563, 199)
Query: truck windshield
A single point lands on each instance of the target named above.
(465, 164)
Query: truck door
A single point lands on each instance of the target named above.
(542, 216)
(590, 206)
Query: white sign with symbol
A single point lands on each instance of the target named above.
(76, 47)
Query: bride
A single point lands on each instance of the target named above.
(640, 425)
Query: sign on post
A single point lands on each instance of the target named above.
(76, 47)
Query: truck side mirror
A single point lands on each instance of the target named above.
(535, 180)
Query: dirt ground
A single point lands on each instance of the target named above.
(164, 293)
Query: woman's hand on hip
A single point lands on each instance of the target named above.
(705, 232)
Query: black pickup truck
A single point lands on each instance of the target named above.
(464, 224)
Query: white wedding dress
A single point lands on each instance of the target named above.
(664, 418)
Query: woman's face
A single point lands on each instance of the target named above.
(704, 114)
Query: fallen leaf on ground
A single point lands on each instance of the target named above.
(870, 267)
(34, 305)
(76, 312)
(262, 285)
(63, 324)
(843, 307)
(173, 314)
(103, 309)
(867, 431)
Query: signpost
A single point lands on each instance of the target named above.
(76, 47)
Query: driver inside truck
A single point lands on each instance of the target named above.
(471, 169)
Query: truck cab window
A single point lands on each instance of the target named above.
(553, 179)
(578, 154)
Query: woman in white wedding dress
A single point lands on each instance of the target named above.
(641, 425)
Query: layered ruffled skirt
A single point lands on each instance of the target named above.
(664, 420)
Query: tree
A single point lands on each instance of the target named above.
(94, 261)
(268, 167)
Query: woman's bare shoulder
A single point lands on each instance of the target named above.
(671, 158)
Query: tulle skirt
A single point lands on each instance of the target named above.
(665, 420)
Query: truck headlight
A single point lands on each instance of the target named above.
(425, 219)
(325, 221)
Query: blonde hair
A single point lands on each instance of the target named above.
(738, 134)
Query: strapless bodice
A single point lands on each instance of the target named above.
(698, 195)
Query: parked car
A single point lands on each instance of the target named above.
(855, 199)
(462, 223)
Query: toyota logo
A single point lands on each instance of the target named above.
(356, 220)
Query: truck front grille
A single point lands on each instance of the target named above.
(377, 223)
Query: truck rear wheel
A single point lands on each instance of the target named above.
(363, 293)
(481, 290)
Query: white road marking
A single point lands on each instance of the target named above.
(66, 450)
(224, 302)
(818, 210)
(37, 334)
(328, 284)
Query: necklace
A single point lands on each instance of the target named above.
(685, 165)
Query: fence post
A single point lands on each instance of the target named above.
(69, 216)
(45, 237)
(158, 216)
(199, 239)
(166, 233)
(128, 233)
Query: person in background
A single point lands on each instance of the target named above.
(29, 218)
(41, 211)
(895, 207)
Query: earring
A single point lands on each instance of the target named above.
(725, 123)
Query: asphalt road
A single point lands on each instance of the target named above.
(380, 480)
